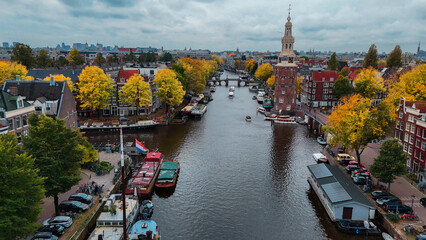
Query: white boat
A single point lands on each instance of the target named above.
(231, 94)
(212, 89)
(199, 110)
(109, 224)
(270, 117)
(387, 236)
(320, 158)
(232, 88)
(285, 119)
(260, 96)
(261, 110)
(253, 88)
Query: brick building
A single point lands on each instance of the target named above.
(14, 113)
(318, 89)
(410, 129)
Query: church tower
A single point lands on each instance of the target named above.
(286, 73)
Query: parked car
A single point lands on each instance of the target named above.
(72, 206)
(81, 197)
(355, 163)
(56, 230)
(360, 180)
(123, 119)
(43, 236)
(58, 220)
(350, 168)
(387, 199)
(360, 174)
(397, 208)
(360, 171)
(423, 201)
(379, 194)
(344, 158)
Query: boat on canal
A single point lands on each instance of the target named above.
(261, 110)
(143, 182)
(248, 118)
(260, 97)
(285, 119)
(101, 126)
(366, 228)
(169, 173)
(232, 89)
(144, 230)
(188, 108)
(109, 225)
(321, 141)
(199, 110)
(231, 94)
(212, 89)
(320, 158)
(267, 103)
(270, 117)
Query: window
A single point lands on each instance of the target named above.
(47, 106)
(10, 124)
(407, 127)
(331, 84)
(324, 97)
(416, 153)
(281, 100)
(18, 122)
(424, 133)
(410, 149)
(323, 79)
(313, 91)
(400, 114)
(411, 139)
(315, 84)
(331, 79)
(20, 103)
(37, 109)
(402, 125)
(24, 120)
(413, 127)
(282, 92)
(406, 137)
(417, 142)
(423, 147)
(325, 91)
(410, 118)
(313, 97)
(122, 80)
(422, 156)
(397, 123)
(419, 132)
(326, 84)
(330, 91)
(405, 147)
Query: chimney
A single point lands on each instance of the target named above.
(13, 90)
(18, 78)
(52, 81)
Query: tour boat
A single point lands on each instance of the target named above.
(270, 117)
(169, 173)
(231, 94)
(144, 229)
(321, 141)
(199, 110)
(143, 183)
(320, 158)
(248, 118)
(285, 119)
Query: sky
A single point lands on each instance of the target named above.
(336, 25)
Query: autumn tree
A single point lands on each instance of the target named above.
(43, 59)
(9, 70)
(371, 59)
(271, 81)
(395, 58)
(237, 64)
(170, 89)
(248, 65)
(299, 86)
(264, 71)
(333, 64)
(355, 122)
(95, 88)
(75, 58)
(390, 163)
(99, 59)
(342, 86)
(21, 190)
(61, 77)
(218, 60)
(23, 54)
(369, 83)
(196, 72)
(136, 92)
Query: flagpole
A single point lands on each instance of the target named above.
(123, 186)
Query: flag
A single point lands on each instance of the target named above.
(140, 147)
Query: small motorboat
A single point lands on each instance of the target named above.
(248, 118)
(387, 236)
(321, 141)
(359, 228)
(320, 158)
(146, 209)
(231, 94)
(285, 119)
(254, 98)
(261, 110)
(212, 89)
(232, 88)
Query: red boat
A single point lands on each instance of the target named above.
(169, 173)
(143, 183)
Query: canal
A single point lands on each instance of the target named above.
(238, 179)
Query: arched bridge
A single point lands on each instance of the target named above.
(239, 81)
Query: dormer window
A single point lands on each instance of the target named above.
(47, 106)
(20, 103)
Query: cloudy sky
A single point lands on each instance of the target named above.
(336, 25)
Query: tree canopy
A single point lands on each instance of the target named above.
(95, 88)
(170, 90)
(369, 83)
(342, 86)
(61, 61)
(333, 64)
(395, 57)
(166, 57)
(371, 59)
(264, 71)
(23, 54)
(99, 59)
(390, 162)
(75, 58)
(112, 59)
(136, 92)
(194, 73)
(9, 70)
(43, 59)
(218, 60)
(249, 64)
(299, 86)
(271, 81)
(61, 77)
(21, 190)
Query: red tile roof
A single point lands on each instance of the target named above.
(318, 75)
(126, 74)
(421, 105)
(353, 75)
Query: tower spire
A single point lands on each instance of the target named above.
(289, 8)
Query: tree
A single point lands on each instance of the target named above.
(21, 190)
(75, 58)
(333, 64)
(390, 162)
(249, 64)
(254, 69)
(112, 59)
(237, 64)
(166, 57)
(370, 59)
(271, 81)
(299, 86)
(61, 61)
(369, 83)
(355, 122)
(9, 70)
(23, 54)
(57, 152)
(243, 57)
(61, 77)
(305, 58)
(95, 88)
(394, 58)
(136, 92)
(131, 57)
(99, 59)
(43, 59)
(264, 71)
(170, 90)
(342, 86)
(196, 73)
(344, 72)
(218, 60)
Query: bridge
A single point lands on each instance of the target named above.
(239, 81)
(316, 119)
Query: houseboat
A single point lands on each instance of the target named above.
(109, 225)
(101, 126)
(169, 173)
(199, 110)
(143, 182)
(144, 229)
(320, 158)
(188, 108)
(270, 117)
(267, 103)
(285, 119)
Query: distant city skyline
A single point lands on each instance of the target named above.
(217, 25)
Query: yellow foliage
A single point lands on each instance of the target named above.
(136, 92)
(271, 81)
(9, 70)
(249, 64)
(95, 88)
(170, 90)
(264, 71)
(299, 86)
(369, 83)
(197, 72)
(61, 77)
(218, 60)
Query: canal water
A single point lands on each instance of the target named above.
(238, 179)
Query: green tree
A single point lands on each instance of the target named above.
(131, 57)
(136, 92)
(43, 59)
(99, 59)
(395, 58)
(61, 61)
(166, 57)
(179, 70)
(23, 54)
(21, 190)
(342, 86)
(113, 58)
(390, 162)
(344, 72)
(333, 64)
(253, 70)
(58, 154)
(243, 57)
(75, 58)
(170, 90)
(371, 59)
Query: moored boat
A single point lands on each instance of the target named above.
(212, 89)
(144, 229)
(101, 126)
(143, 183)
(261, 110)
(260, 97)
(320, 158)
(232, 88)
(285, 119)
(231, 94)
(199, 110)
(360, 228)
(267, 103)
(270, 117)
(169, 173)
(321, 141)
(248, 118)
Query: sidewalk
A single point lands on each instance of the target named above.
(86, 176)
